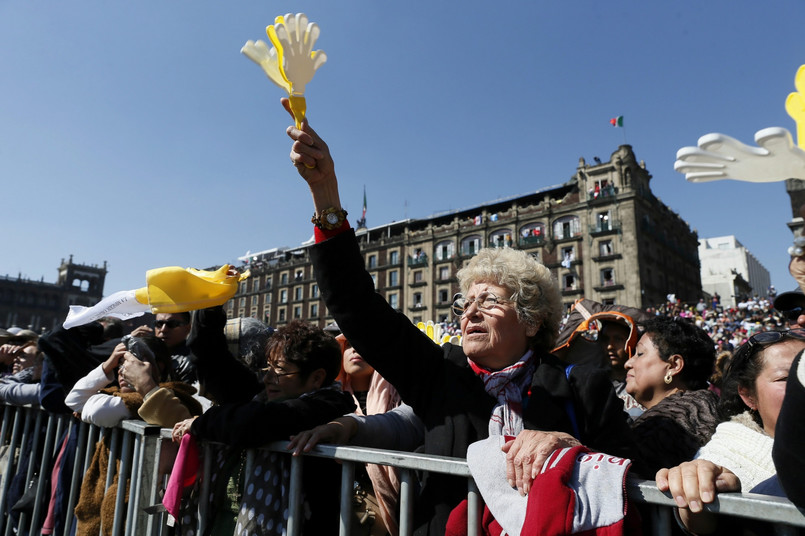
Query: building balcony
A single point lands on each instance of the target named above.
(501, 243)
(572, 291)
(601, 229)
(468, 252)
(609, 287)
(417, 307)
(607, 193)
(416, 261)
(531, 241)
(610, 257)
(568, 238)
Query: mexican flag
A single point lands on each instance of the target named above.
(616, 121)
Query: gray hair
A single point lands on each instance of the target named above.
(533, 289)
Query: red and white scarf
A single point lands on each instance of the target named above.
(507, 386)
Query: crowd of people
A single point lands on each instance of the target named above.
(693, 396)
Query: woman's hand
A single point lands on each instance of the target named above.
(142, 331)
(137, 373)
(113, 361)
(181, 428)
(526, 454)
(696, 482)
(8, 352)
(693, 484)
(338, 432)
(312, 159)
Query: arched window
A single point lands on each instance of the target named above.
(470, 245)
(445, 250)
(566, 227)
(532, 229)
(501, 238)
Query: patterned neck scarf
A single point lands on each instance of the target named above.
(507, 386)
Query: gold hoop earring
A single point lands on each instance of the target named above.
(668, 378)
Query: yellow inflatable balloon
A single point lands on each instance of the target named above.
(175, 290)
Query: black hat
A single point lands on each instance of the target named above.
(790, 300)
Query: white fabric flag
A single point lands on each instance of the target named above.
(121, 305)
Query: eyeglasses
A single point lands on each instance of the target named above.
(276, 373)
(170, 324)
(763, 339)
(485, 301)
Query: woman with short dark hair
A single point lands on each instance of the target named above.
(668, 376)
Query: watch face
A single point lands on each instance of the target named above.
(332, 219)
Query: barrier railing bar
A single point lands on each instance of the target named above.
(473, 508)
(762, 507)
(122, 478)
(347, 490)
(406, 502)
(23, 517)
(204, 496)
(78, 474)
(16, 439)
(134, 489)
(44, 465)
(294, 525)
(136, 459)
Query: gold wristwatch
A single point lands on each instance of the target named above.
(329, 219)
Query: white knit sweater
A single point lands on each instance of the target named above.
(744, 448)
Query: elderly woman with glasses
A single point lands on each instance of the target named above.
(501, 381)
(739, 455)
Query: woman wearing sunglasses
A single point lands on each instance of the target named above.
(739, 455)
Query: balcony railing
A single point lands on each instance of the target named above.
(415, 261)
(531, 241)
(602, 228)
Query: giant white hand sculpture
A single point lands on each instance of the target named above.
(722, 157)
(291, 62)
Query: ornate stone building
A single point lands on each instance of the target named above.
(603, 234)
(42, 306)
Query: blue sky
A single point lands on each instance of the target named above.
(136, 133)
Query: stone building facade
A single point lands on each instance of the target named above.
(603, 234)
(731, 271)
(42, 306)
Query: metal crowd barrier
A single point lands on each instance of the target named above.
(134, 444)
(139, 448)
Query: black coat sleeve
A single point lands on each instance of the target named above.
(384, 337)
(789, 437)
(253, 424)
(222, 377)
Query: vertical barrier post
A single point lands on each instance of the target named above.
(16, 432)
(294, 527)
(406, 503)
(35, 440)
(122, 478)
(82, 447)
(347, 492)
(44, 466)
(473, 508)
